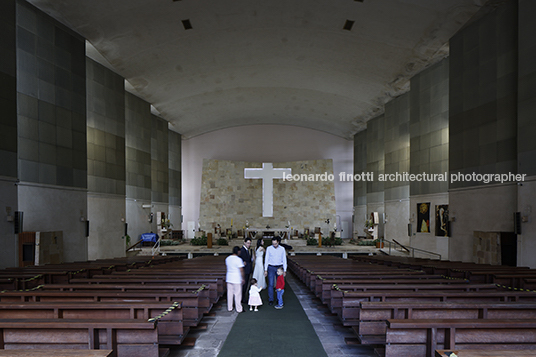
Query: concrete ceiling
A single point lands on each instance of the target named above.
(266, 62)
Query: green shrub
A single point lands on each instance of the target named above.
(367, 242)
(199, 241)
(312, 241)
(168, 242)
(222, 241)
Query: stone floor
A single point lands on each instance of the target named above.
(328, 328)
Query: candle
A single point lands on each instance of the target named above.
(231, 221)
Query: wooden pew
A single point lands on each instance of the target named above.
(171, 330)
(348, 288)
(29, 277)
(339, 291)
(127, 338)
(194, 304)
(216, 286)
(195, 283)
(112, 286)
(55, 353)
(516, 280)
(355, 269)
(373, 316)
(484, 353)
(324, 281)
(424, 337)
(475, 273)
(350, 312)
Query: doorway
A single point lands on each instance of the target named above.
(509, 249)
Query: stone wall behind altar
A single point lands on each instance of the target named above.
(226, 195)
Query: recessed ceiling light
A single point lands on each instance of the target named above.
(348, 25)
(187, 25)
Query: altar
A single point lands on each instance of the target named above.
(284, 233)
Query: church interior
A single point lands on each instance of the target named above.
(402, 123)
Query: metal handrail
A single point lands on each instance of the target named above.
(156, 247)
(409, 249)
(403, 247)
(134, 245)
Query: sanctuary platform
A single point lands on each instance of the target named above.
(298, 247)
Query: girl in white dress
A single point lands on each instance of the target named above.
(258, 272)
(254, 297)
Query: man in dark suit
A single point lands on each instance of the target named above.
(246, 257)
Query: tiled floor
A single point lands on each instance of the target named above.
(331, 334)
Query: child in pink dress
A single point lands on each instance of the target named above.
(254, 296)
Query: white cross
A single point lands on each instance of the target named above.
(267, 174)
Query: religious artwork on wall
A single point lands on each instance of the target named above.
(442, 221)
(423, 217)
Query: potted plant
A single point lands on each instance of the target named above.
(126, 237)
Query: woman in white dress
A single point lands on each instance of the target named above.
(258, 272)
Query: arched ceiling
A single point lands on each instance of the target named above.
(266, 62)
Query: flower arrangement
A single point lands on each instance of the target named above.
(166, 223)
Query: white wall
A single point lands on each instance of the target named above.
(485, 209)
(526, 241)
(265, 143)
(360, 216)
(107, 216)
(53, 208)
(397, 218)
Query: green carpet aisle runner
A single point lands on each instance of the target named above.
(272, 332)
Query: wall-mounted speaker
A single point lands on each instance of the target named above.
(126, 229)
(409, 230)
(18, 221)
(87, 228)
(517, 222)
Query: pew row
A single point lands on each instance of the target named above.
(484, 353)
(30, 277)
(424, 337)
(170, 327)
(373, 316)
(350, 312)
(194, 304)
(216, 286)
(126, 338)
(55, 353)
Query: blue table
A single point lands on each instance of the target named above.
(149, 237)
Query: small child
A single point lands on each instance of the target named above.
(254, 296)
(280, 288)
